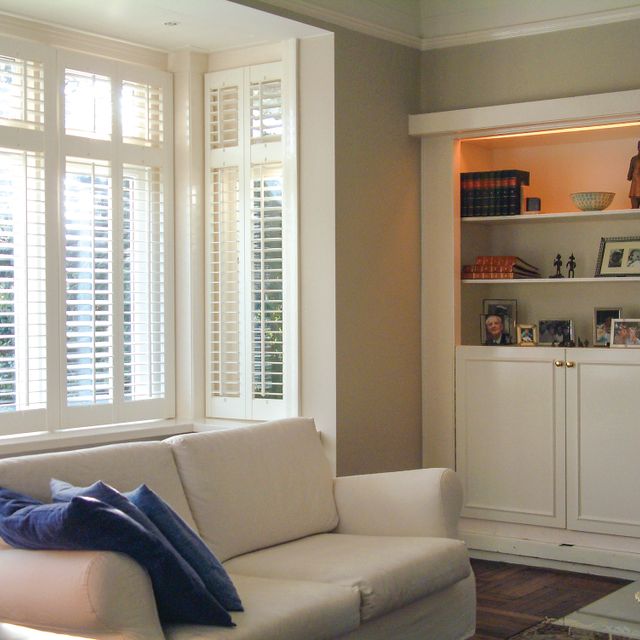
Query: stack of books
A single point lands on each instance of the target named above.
(492, 193)
(499, 268)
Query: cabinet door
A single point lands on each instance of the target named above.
(510, 433)
(603, 441)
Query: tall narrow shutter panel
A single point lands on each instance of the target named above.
(21, 93)
(267, 292)
(89, 282)
(225, 278)
(143, 283)
(22, 281)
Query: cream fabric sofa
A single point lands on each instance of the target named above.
(313, 557)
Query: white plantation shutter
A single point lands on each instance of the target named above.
(118, 349)
(225, 278)
(267, 285)
(224, 117)
(142, 114)
(22, 289)
(251, 317)
(88, 243)
(143, 283)
(21, 93)
(266, 110)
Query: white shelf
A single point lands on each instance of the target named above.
(551, 280)
(568, 216)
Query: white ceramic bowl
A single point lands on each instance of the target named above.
(592, 200)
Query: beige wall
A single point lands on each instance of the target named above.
(377, 253)
(554, 65)
(377, 256)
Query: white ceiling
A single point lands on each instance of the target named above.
(212, 25)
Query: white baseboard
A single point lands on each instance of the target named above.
(576, 558)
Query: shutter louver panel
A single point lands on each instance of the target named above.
(21, 93)
(142, 117)
(266, 111)
(88, 254)
(225, 303)
(87, 105)
(144, 283)
(223, 117)
(267, 324)
(22, 281)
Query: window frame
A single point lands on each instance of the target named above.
(244, 156)
(59, 420)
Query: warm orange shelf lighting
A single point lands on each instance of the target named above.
(545, 132)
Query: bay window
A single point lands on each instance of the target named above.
(85, 241)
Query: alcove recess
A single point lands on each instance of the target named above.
(560, 162)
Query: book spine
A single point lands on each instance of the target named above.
(476, 268)
(505, 260)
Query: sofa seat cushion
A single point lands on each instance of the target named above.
(254, 487)
(276, 609)
(389, 572)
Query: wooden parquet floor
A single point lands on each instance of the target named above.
(512, 598)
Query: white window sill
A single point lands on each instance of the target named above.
(214, 424)
(88, 436)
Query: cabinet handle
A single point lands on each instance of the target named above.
(558, 363)
(570, 364)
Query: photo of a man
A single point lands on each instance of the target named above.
(495, 329)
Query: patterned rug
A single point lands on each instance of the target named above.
(548, 631)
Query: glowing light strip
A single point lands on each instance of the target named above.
(544, 132)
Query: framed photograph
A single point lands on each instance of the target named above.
(618, 257)
(556, 332)
(527, 335)
(500, 307)
(495, 329)
(602, 317)
(625, 332)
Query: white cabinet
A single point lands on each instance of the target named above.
(603, 441)
(550, 437)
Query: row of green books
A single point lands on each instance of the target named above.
(492, 193)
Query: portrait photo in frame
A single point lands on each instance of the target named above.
(527, 335)
(495, 329)
(602, 318)
(501, 307)
(618, 257)
(625, 332)
(556, 332)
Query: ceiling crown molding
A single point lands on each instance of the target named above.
(532, 28)
(348, 22)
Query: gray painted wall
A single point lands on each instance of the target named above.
(554, 65)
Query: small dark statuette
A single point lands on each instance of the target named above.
(571, 266)
(633, 176)
(557, 263)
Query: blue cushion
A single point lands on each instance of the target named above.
(10, 502)
(92, 525)
(183, 539)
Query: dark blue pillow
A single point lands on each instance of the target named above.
(183, 539)
(10, 502)
(189, 545)
(91, 525)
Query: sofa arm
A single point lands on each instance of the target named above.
(98, 594)
(420, 502)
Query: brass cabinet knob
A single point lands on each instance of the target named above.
(558, 363)
(570, 364)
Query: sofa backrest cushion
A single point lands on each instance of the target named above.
(123, 466)
(254, 487)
